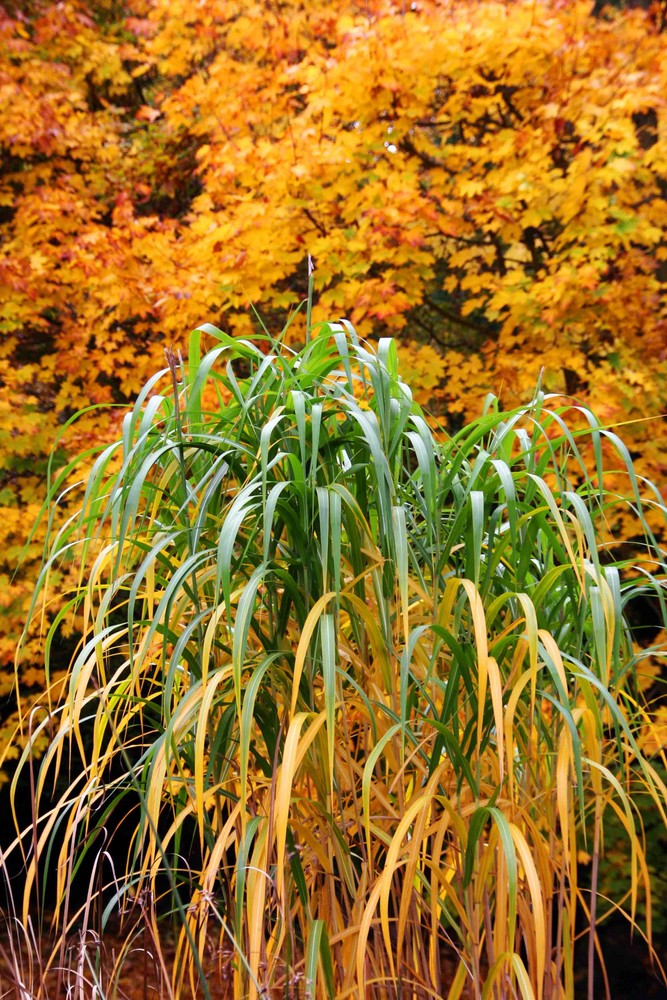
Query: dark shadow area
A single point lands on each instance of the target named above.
(628, 964)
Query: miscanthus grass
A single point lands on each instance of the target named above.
(360, 692)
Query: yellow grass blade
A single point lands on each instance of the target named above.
(294, 751)
(537, 901)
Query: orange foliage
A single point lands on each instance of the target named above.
(486, 178)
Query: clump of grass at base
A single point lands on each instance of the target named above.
(368, 684)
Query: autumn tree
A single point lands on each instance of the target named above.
(484, 179)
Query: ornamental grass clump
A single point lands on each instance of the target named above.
(359, 690)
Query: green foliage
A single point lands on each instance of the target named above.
(372, 681)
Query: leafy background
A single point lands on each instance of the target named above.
(484, 180)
